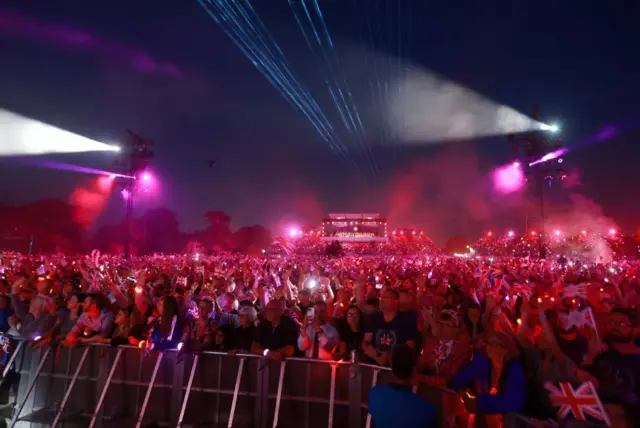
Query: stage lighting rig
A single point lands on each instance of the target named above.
(136, 157)
(535, 145)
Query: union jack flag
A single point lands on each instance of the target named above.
(385, 340)
(496, 281)
(282, 243)
(522, 289)
(579, 319)
(572, 291)
(481, 273)
(582, 403)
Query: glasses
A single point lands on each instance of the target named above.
(621, 324)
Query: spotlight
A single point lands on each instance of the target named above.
(553, 128)
(112, 177)
(115, 148)
(560, 160)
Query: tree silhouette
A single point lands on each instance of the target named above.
(252, 239)
(218, 234)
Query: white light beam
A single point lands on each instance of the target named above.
(425, 108)
(22, 136)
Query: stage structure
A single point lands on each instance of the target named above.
(354, 228)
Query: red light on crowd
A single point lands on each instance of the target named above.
(489, 233)
(533, 233)
(557, 232)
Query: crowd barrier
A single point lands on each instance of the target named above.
(101, 386)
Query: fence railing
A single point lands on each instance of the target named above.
(98, 385)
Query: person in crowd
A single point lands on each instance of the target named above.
(277, 335)
(129, 328)
(351, 332)
(570, 341)
(246, 332)
(223, 338)
(493, 383)
(68, 317)
(95, 323)
(199, 335)
(166, 331)
(446, 349)
(35, 318)
(5, 313)
(388, 328)
(304, 302)
(318, 337)
(226, 309)
(471, 319)
(395, 404)
(617, 365)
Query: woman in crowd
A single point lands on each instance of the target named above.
(246, 332)
(493, 383)
(129, 328)
(351, 332)
(472, 321)
(166, 331)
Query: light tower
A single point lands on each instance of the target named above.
(136, 155)
(534, 145)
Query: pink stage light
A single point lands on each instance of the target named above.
(125, 194)
(557, 232)
(146, 176)
(508, 179)
(293, 232)
(112, 177)
(612, 232)
(511, 233)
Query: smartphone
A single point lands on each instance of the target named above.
(310, 314)
(330, 345)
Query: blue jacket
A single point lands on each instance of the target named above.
(511, 393)
(162, 343)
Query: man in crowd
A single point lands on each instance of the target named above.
(618, 366)
(387, 328)
(277, 335)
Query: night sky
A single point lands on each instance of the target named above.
(166, 70)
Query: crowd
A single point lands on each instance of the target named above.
(312, 245)
(506, 335)
(584, 245)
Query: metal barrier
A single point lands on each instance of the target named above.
(98, 386)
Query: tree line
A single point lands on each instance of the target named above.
(48, 225)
